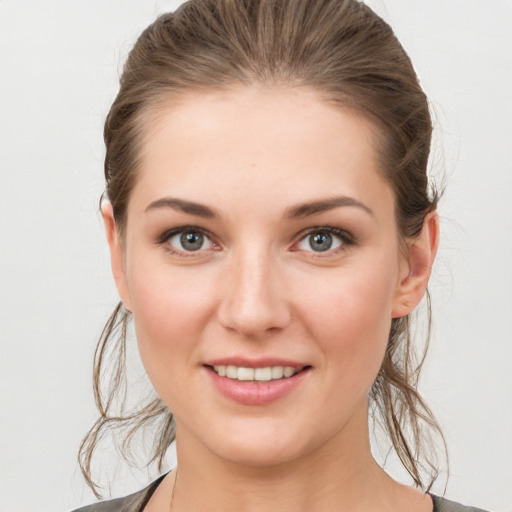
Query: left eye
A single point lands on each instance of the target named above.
(320, 241)
(190, 241)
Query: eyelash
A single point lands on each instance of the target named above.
(164, 238)
(345, 237)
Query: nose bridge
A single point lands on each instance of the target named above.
(254, 301)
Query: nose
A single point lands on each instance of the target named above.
(253, 302)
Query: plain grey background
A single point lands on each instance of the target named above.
(59, 63)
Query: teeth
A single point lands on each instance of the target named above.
(258, 374)
(262, 373)
(277, 372)
(231, 372)
(245, 373)
(288, 372)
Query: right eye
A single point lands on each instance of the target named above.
(189, 240)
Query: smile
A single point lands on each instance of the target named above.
(256, 383)
(266, 374)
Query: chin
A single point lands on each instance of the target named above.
(261, 445)
(258, 456)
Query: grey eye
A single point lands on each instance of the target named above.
(320, 241)
(190, 241)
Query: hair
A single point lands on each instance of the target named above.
(343, 50)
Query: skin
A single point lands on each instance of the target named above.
(257, 288)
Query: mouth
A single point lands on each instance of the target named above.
(248, 374)
(257, 385)
(256, 381)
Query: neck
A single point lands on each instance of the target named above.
(341, 474)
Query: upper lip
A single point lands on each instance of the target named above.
(262, 362)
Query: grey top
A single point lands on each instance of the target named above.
(137, 501)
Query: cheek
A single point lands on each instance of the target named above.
(350, 319)
(170, 310)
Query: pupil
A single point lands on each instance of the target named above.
(321, 242)
(191, 241)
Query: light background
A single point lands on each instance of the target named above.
(59, 63)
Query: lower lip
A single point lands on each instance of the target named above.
(253, 392)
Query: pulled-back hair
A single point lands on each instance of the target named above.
(342, 49)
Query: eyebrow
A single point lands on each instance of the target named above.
(184, 206)
(315, 207)
(299, 211)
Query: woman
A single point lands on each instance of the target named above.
(271, 229)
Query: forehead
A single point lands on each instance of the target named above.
(284, 144)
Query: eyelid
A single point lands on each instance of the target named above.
(168, 234)
(346, 238)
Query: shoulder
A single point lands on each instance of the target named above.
(133, 503)
(444, 505)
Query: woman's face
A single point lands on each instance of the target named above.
(261, 241)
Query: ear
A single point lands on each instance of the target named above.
(116, 254)
(422, 251)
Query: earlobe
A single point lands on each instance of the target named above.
(420, 258)
(116, 253)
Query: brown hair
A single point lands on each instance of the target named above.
(345, 51)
